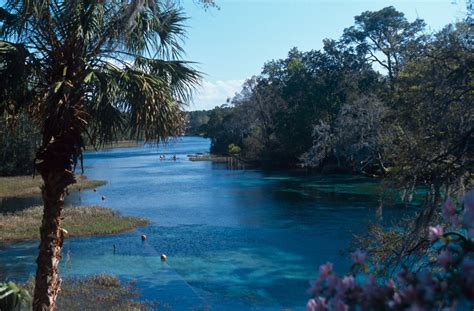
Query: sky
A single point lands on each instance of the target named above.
(232, 43)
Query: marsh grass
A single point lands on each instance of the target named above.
(78, 221)
(22, 186)
(97, 292)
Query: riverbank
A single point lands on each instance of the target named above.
(207, 157)
(116, 144)
(78, 221)
(22, 186)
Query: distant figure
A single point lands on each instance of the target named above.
(163, 257)
(174, 158)
(95, 189)
(103, 198)
(114, 249)
(143, 237)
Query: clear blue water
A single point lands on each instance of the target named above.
(235, 239)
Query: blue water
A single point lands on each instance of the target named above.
(235, 239)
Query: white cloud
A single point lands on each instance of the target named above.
(212, 94)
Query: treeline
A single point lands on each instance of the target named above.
(19, 140)
(386, 98)
(196, 122)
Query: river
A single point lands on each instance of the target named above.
(235, 239)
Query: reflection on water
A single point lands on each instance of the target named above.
(234, 239)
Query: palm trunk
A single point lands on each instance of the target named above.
(55, 169)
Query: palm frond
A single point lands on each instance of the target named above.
(149, 27)
(125, 96)
(181, 77)
(12, 296)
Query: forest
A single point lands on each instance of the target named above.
(387, 99)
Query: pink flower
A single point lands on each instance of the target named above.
(391, 283)
(359, 257)
(338, 305)
(311, 305)
(435, 233)
(396, 300)
(449, 210)
(444, 258)
(347, 282)
(318, 304)
(325, 270)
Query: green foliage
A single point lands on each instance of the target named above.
(13, 297)
(196, 122)
(18, 142)
(233, 149)
(331, 111)
(89, 69)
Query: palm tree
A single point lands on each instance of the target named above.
(88, 69)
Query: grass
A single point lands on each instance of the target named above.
(22, 186)
(97, 292)
(117, 144)
(207, 157)
(78, 221)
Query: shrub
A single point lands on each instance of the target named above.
(447, 283)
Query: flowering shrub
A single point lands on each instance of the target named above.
(447, 285)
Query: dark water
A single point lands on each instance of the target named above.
(235, 240)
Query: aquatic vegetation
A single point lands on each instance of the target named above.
(447, 283)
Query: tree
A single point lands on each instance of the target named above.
(385, 31)
(434, 116)
(88, 68)
(354, 140)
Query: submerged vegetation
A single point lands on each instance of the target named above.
(388, 100)
(85, 69)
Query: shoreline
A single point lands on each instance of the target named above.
(81, 221)
(21, 225)
(116, 144)
(29, 186)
